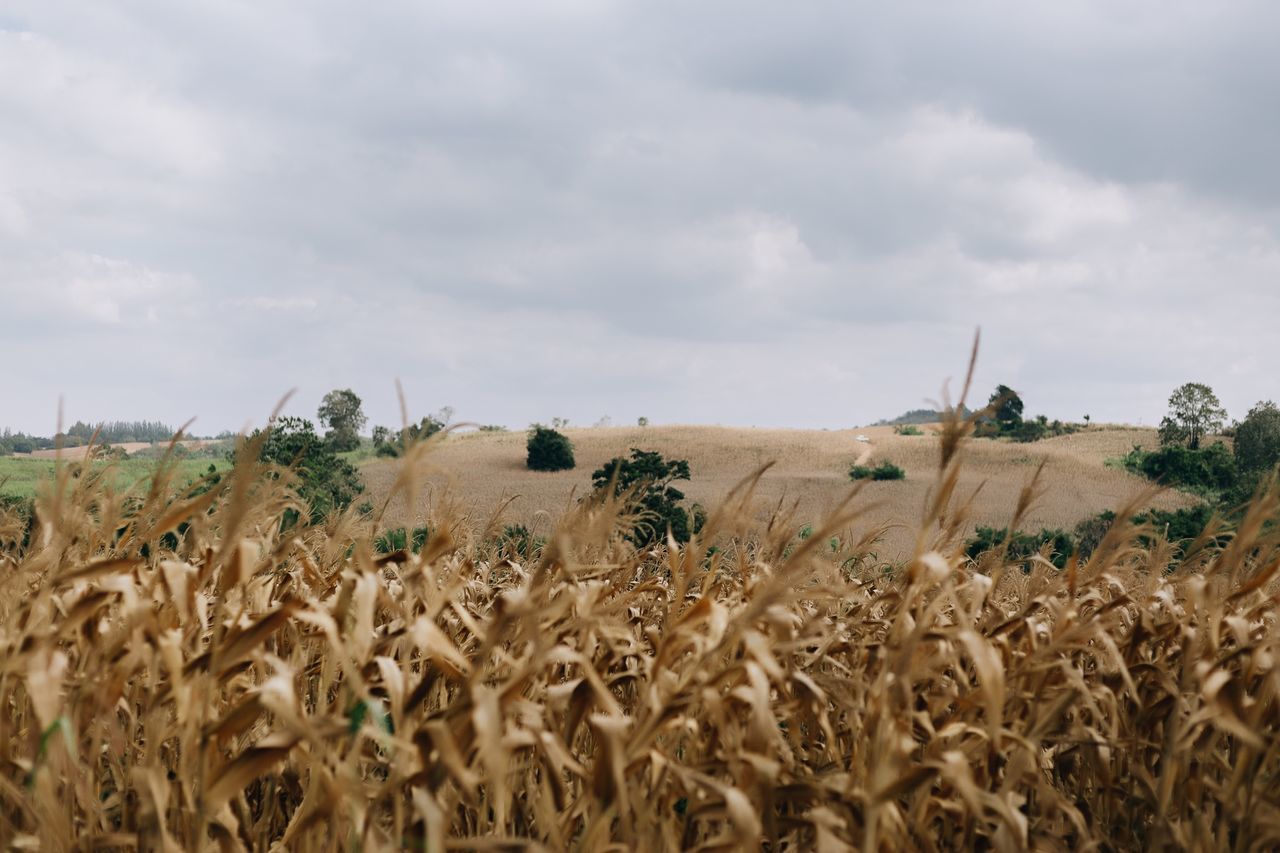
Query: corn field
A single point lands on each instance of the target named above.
(180, 670)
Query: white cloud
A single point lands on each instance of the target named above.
(587, 207)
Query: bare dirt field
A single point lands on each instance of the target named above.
(477, 471)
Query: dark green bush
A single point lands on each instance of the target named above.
(326, 482)
(883, 471)
(1257, 439)
(1022, 546)
(548, 450)
(400, 539)
(1180, 526)
(647, 478)
(1206, 470)
(908, 429)
(387, 442)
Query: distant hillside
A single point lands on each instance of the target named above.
(918, 416)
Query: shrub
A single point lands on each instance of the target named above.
(646, 477)
(1090, 532)
(1179, 526)
(389, 443)
(1022, 546)
(1029, 431)
(548, 450)
(1207, 470)
(326, 482)
(883, 471)
(517, 542)
(1257, 439)
(400, 539)
(908, 429)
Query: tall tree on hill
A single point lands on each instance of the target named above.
(1257, 442)
(1006, 407)
(1194, 412)
(341, 412)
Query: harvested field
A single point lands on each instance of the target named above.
(476, 472)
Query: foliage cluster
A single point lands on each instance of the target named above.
(19, 442)
(341, 411)
(1194, 412)
(389, 443)
(548, 450)
(401, 539)
(644, 481)
(1056, 546)
(118, 432)
(1178, 527)
(325, 482)
(884, 471)
(1257, 439)
(1004, 420)
(1209, 471)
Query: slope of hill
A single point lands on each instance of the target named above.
(477, 471)
(916, 416)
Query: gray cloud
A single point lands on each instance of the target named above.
(713, 212)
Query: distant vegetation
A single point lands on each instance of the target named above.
(883, 471)
(325, 482)
(548, 449)
(645, 482)
(80, 433)
(389, 443)
(919, 416)
(1003, 419)
(1177, 527)
(1224, 478)
(342, 412)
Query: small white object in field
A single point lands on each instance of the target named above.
(863, 439)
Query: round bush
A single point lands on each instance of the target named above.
(549, 450)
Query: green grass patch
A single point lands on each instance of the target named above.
(21, 477)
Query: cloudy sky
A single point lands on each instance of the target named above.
(712, 212)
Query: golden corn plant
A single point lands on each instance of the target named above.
(180, 670)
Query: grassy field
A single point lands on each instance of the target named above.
(476, 472)
(21, 476)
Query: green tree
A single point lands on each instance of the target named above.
(340, 411)
(1194, 412)
(647, 478)
(1006, 408)
(326, 482)
(548, 450)
(389, 443)
(1257, 442)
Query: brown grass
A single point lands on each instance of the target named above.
(473, 473)
(250, 688)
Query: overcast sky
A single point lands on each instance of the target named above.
(773, 214)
